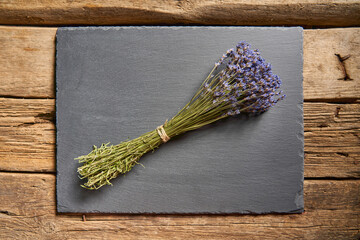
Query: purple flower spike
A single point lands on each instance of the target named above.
(246, 81)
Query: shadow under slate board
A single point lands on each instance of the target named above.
(115, 83)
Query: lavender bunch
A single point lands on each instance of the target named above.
(240, 82)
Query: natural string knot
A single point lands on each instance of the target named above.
(161, 131)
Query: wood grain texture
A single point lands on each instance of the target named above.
(332, 140)
(332, 137)
(27, 63)
(27, 58)
(28, 211)
(219, 12)
(27, 139)
(322, 68)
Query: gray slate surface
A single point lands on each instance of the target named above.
(118, 82)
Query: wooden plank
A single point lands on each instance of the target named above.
(210, 12)
(27, 139)
(322, 68)
(27, 58)
(332, 131)
(27, 63)
(28, 210)
(332, 140)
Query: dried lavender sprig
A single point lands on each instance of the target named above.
(240, 82)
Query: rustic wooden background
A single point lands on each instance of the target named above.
(331, 108)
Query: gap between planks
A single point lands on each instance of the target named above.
(330, 101)
(305, 178)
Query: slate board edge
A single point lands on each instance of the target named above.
(61, 209)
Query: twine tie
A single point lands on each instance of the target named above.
(161, 131)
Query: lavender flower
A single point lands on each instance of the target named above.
(246, 81)
(240, 82)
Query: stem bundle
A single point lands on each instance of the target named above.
(240, 82)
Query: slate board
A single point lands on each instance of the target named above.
(114, 83)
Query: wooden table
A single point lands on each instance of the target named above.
(331, 108)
